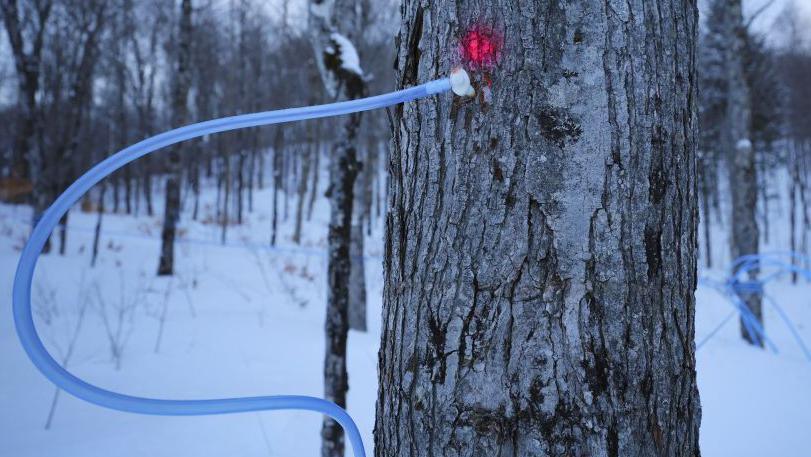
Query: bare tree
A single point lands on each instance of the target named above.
(333, 25)
(180, 92)
(356, 314)
(89, 21)
(726, 17)
(540, 262)
(118, 314)
(143, 75)
(27, 29)
(62, 328)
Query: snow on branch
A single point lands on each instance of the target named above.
(743, 144)
(346, 53)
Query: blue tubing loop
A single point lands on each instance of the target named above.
(23, 318)
(739, 283)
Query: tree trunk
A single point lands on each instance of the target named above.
(316, 173)
(180, 91)
(794, 167)
(705, 214)
(540, 261)
(278, 147)
(763, 194)
(226, 197)
(302, 191)
(27, 156)
(357, 273)
(148, 186)
(80, 98)
(325, 20)
(97, 231)
(343, 170)
(357, 279)
(743, 180)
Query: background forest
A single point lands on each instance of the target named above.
(209, 270)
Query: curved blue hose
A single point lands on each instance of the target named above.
(23, 318)
(737, 281)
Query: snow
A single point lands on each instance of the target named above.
(743, 144)
(754, 402)
(244, 319)
(240, 322)
(321, 9)
(350, 60)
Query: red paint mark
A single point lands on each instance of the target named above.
(481, 47)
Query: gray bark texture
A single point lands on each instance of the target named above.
(540, 259)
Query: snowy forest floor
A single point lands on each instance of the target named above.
(245, 320)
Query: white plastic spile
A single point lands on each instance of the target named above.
(460, 83)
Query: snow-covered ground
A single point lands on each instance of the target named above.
(244, 320)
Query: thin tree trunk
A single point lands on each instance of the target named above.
(226, 198)
(367, 192)
(284, 181)
(316, 173)
(378, 173)
(63, 233)
(241, 185)
(180, 93)
(74, 338)
(357, 274)
(116, 184)
(357, 280)
(763, 192)
(302, 192)
(137, 192)
(705, 214)
(541, 248)
(342, 16)
(252, 170)
(792, 217)
(28, 160)
(744, 233)
(343, 170)
(278, 146)
(97, 232)
(148, 187)
(801, 184)
(194, 177)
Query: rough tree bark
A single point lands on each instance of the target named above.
(744, 234)
(541, 249)
(180, 92)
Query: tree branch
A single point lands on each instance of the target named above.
(757, 13)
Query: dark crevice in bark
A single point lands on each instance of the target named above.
(504, 333)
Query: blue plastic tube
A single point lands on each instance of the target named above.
(23, 318)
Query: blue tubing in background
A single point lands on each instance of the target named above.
(23, 318)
